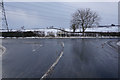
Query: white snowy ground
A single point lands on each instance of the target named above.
(103, 29)
(95, 29)
(100, 29)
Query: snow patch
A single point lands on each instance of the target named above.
(94, 29)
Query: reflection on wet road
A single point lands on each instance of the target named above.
(82, 58)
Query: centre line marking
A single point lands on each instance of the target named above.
(54, 64)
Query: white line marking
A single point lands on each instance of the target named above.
(3, 50)
(54, 64)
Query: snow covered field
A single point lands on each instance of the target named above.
(103, 29)
(95, 29)
(54, 31)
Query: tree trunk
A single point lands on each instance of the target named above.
(73, 30)
(83, 33)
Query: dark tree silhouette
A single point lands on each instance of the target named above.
(84, 18)
(74, 27)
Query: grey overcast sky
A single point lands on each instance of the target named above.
(58, 14)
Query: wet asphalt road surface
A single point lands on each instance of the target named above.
(82, 58)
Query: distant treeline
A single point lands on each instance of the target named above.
(63, 34)
(18, 34)
(91, 34)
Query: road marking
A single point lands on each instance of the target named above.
(3, 50)
(108, 43)
(54, 64)
(118, 43)
(34, 50)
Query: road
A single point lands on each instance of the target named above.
(82, 58)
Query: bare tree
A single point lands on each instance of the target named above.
(22, 28)
(74, 27)
(84, 18)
